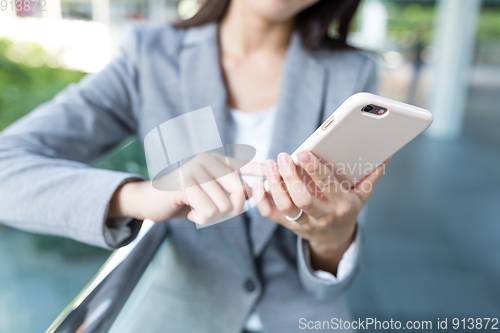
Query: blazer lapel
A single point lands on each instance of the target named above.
(201, 81)
(202, 85)
(300, 105)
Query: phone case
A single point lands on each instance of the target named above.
(353, 142)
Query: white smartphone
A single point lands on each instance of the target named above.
(363, 133)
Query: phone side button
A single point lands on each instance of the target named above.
(327, 123)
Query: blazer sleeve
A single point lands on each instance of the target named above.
(46, 183)
(366, 82)
(324, 288)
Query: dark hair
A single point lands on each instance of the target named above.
(312, 23)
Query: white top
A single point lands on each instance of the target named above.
(256, 129)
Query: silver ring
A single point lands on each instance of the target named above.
(296, 217)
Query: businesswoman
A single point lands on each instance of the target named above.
(271, 74)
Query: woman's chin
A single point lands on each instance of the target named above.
(279, 10)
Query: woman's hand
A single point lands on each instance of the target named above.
(212, 188)
(330, 211)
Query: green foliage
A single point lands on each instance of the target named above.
(22, 88)
(489, 24)
(405, 20)
(407, 23)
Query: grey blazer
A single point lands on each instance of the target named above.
(47, 186)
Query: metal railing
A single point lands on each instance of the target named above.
(96, 307)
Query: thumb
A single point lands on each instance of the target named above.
(181, 203)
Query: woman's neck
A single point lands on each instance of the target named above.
(243, 32)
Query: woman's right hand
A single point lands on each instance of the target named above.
(210, 194)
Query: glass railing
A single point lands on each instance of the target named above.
(105, 302)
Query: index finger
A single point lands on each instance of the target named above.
(320, 173)
(247, 168)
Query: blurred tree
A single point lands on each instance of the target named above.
(404, 21)
(413, 24)
(489, 23)
(29, 82)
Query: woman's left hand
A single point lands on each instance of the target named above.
(330, 210)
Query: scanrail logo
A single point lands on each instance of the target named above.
(186, 154)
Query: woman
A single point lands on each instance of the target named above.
(271, 75)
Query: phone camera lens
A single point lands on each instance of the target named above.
(368, 108)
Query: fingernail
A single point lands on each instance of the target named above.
(304, 157)
(271, 166)
(248, 192)
(283, 160)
